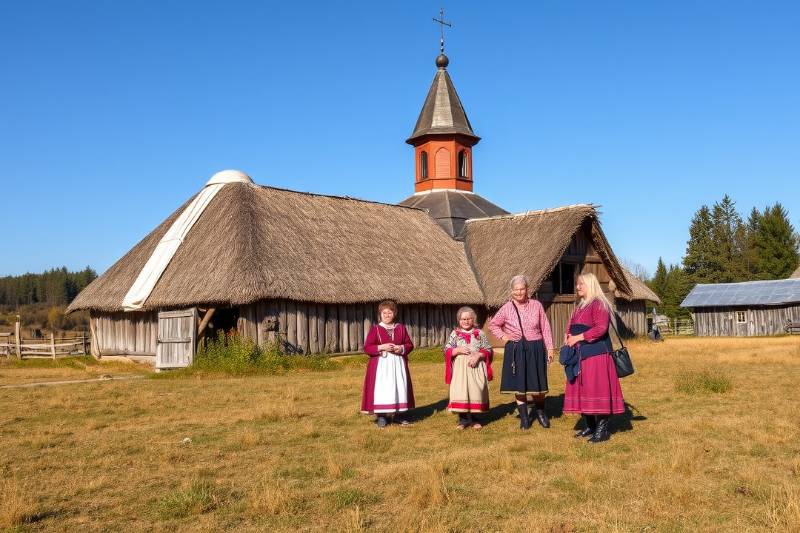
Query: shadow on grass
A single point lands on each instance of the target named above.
(624, 421)
(424, 411)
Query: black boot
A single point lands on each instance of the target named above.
(541, 416)
(601, 431)
(524, 421)
(591, 423)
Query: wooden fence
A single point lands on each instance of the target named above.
(14, 345)
(677, 326)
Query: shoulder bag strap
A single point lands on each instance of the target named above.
(522, 331)
(611, 318)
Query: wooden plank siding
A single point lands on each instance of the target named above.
(124, 333)
(722, 321)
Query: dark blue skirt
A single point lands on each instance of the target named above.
(528, 373)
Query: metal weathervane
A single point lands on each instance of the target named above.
(442, 23)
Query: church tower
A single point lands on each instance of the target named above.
(443, 142)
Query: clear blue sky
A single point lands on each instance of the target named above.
(113, 113)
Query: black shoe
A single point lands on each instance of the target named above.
(524, 420)
(590, 422)
(381, 421)
(601, 431)
(541, 416)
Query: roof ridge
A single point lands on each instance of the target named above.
(751, 281)
(538, 212)
(335, 196)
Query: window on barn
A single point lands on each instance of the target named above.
(740, 317)
(423, 165)
(563, 278)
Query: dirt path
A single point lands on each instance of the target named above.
(69, 381)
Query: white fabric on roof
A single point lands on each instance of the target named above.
(172, 239)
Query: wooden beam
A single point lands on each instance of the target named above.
(206, 320)
(16, 333)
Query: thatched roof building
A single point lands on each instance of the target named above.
(498, 247)
(639, 291)
(307, 269)
(254, 243)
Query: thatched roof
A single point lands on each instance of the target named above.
(531, 243)
(254, 242)
(795, 274)
(639, 291)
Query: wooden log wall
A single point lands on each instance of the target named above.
(309, 328)
(722, 321)
(124, 333)
(631, 318)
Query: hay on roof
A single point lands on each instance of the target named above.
(254, 243)
(531, 243)
(639, 291)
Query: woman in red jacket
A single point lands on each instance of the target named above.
(387, 384)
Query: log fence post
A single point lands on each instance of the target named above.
(53, 344)
(16, 337)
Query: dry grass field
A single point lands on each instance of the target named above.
(711, 443)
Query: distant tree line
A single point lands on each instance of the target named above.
(723, 248)
(56, 287)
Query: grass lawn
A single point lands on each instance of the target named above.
(711, 443)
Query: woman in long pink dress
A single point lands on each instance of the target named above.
(387, 383)
(594, 392)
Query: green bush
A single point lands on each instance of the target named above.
(234, 354)
(702, 382)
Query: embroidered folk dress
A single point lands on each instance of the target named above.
(387, 384)
(595, 390)
(469, 387)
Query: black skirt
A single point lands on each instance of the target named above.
(528, 374)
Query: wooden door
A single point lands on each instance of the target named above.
(177, 338)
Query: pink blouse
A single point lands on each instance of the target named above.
(534, 323)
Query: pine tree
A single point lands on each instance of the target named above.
(750, 255)
(727, 242)
(676, 288)
(775, 244)
(659, 282)
(698, 262)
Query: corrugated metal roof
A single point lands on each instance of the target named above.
(771, 292)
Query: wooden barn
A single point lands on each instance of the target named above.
(744, 309)
(309, 269)
(631, 309)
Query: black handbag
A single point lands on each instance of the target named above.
(622, 359)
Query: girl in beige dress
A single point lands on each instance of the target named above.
(468, 369)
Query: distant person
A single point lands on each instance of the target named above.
(522, 325)
(468, 369)
(592, 388)
(387, 384)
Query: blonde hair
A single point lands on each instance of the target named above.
(466, 309)
(593, 291)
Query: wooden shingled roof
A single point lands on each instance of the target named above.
(442, 112)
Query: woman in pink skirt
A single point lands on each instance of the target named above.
(592, 387)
